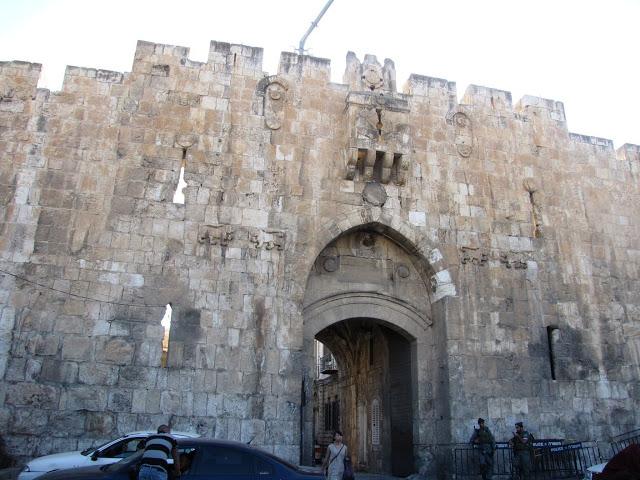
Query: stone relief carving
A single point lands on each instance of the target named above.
(374, 194)
(379, 133)
(478, 257)
(331, 264)
(372, 76)
(464, 132)
(271, 96)
(227, 235)
(269, 239)
(403, 271)
(216, 234)
(473, 257)
(185, 140)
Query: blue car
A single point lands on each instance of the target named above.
(201, 459)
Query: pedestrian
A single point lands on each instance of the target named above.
(333, 463)
(483, 440)
(522, 444)
(158, 449)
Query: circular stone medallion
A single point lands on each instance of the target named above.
(330, 264)
(374, 194)
(403, 271)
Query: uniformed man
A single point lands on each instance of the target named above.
(483, 440)
(522, 444)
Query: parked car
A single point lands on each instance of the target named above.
(104, 454)
(199, 459)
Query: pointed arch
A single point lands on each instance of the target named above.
(426, 256)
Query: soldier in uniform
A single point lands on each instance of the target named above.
(522, 444)
(483, 440)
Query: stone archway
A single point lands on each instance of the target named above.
(367, 300)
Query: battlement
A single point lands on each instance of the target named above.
(236, 56)
(19, 79)
(421, 85)
(629, 152)
(552, 109)
(597, 141)
(486, 97)
(298, 66)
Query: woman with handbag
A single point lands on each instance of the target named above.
(334, 460)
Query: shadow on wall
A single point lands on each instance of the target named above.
(6, 460)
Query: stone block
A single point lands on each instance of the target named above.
(97, 374)
(117, 350)
(63, 424)
(100, 424)
(29, 421)
(77, 348)
(43, 397)
(136, 377)
(84, 398)
(58, 372)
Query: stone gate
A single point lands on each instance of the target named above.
(459, 258)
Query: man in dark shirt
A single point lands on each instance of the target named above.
(157, 450)
(482, 438)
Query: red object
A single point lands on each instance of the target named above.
(625, 465)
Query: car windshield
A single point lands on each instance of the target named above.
(90, 450)
(124, 463)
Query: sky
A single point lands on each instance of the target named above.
(583, 53)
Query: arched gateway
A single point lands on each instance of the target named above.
(373, 363)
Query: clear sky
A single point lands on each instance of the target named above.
(584, 53)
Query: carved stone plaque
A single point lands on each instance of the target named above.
(374, 194)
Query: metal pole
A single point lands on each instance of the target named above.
(313, 25)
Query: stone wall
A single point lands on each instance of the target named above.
(518, 227)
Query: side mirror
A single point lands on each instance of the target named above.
(94, 456)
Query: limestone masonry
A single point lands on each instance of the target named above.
(457, 259)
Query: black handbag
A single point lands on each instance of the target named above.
(347, 474)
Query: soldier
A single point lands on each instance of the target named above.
(522, 444)
(482, 438)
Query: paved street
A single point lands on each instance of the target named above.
(369, 476)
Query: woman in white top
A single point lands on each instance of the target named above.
(333, 462)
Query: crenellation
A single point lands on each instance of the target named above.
(629, 152)
(596, 141)
(487, 98)
(553, 109)
(305, 67)
(18, 82)
(230, 57)
(438, 92)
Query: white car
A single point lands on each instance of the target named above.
(106, 453)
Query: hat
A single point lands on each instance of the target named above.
(480, 420)
(519, 424)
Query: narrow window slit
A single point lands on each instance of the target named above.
(166, 323)
(553, 336)
(535, 216)
(178, 196)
